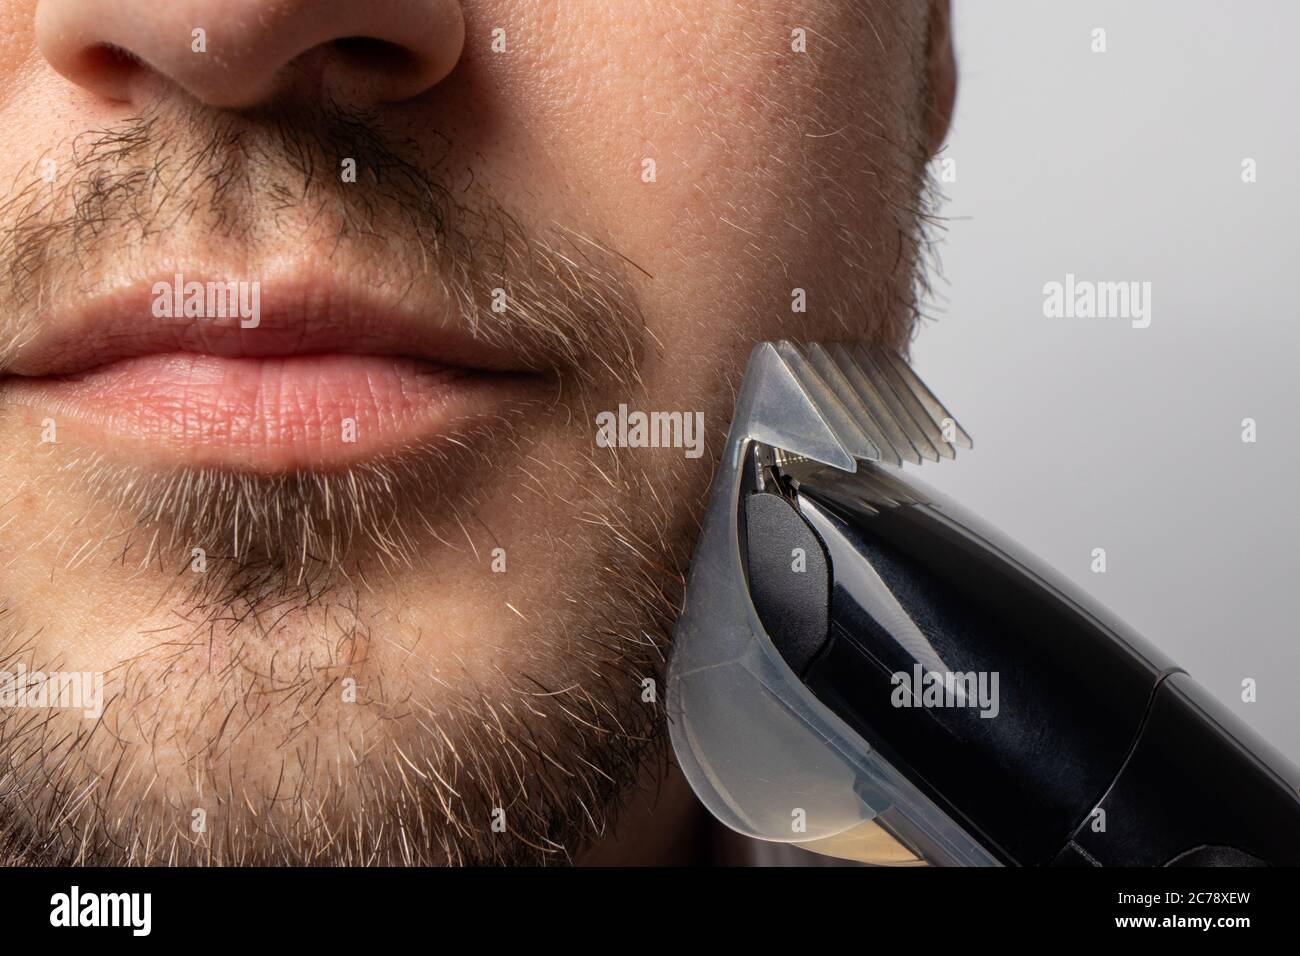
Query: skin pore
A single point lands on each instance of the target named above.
(438, 650)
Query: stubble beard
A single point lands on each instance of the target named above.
(277, 717)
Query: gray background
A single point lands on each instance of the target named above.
(1089, 433)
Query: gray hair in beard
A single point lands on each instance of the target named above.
(558, 748)
(176, 170)
(572, 312)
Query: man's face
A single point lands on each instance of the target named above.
(359, 580)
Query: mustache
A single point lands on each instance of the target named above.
(407, 214)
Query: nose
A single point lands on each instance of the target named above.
(237, 54)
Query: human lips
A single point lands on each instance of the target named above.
(325, 378)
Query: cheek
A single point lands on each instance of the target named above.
(695, 141)
(16, 36)
(659, 121)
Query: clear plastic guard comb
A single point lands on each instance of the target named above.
(766, 757)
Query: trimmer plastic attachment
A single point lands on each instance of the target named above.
(862, 669)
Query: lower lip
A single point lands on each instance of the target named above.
(264, 414)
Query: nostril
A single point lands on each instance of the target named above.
(113, 57)
(370, 53)
(376, 51)
(112, 62)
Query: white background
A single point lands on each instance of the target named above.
(1126, 165)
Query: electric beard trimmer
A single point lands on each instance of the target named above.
(864, 670)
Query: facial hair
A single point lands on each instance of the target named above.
(224, 744)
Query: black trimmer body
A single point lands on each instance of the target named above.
(863, 669)
(1074, 742)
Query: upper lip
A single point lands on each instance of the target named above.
(298, 316)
